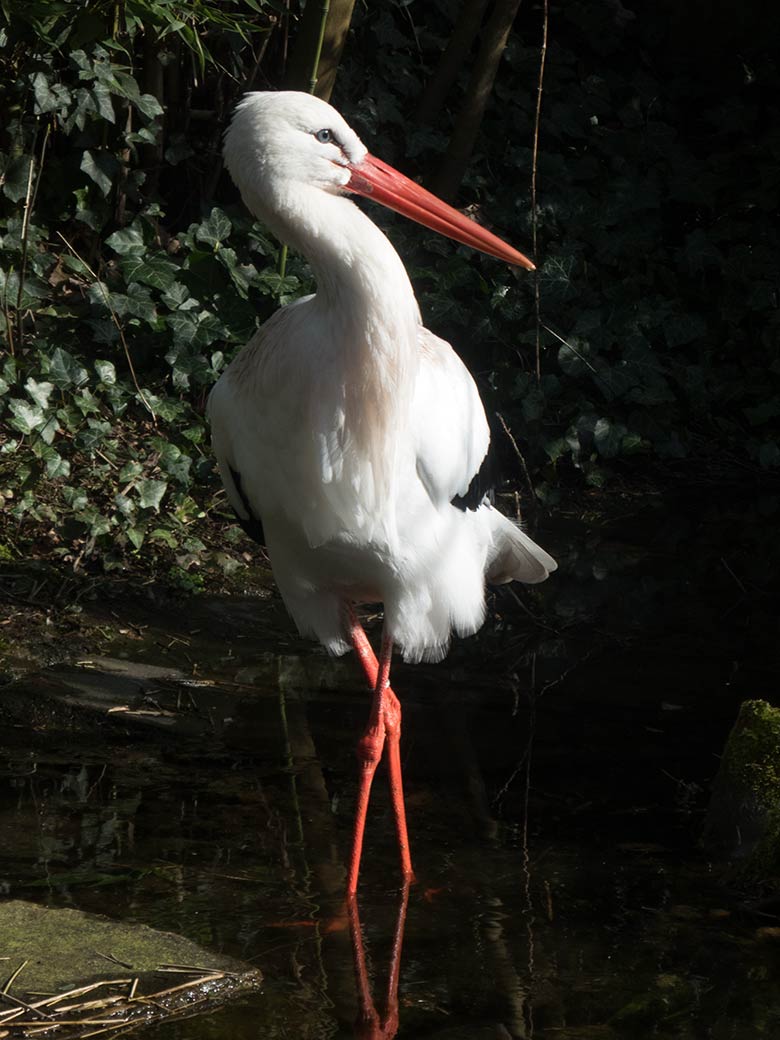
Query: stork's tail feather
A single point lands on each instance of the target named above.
(515, 556)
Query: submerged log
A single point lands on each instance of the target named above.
(743, 820)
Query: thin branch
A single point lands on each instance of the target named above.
(534, 209)
(578, 355)
(29, 203)
(120, 330)
(524, 467)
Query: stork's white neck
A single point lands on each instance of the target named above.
(368, 322)
(359, 275)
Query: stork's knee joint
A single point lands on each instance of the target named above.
(369, 747)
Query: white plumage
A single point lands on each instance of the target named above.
(344, 425)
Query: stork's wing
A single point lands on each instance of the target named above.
(450, 428)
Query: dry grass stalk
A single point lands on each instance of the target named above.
(70, 1018)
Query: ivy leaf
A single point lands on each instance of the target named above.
(124, 504)
(214, 229)
(608, 437)
(571, 358)
(555, 449)
(32, 290)
(95, 434)
(39, 392)
(167, 408)
(149, 106)
(26, 417)
(151, 270)
(85, 106)
(127, 241)
(184, 325)
(56, 466)
(769, 455)
(98, 524)
(140, 304)
(103, 102)
(130, 471)
(173, 461)
(142, 136)
(45, 100)
(50, 429)
(75, 498)
(101, 168)
(176, 295)
(64, 370)
(106, 372)
(150, 493)
(10, 369)
(16, 179)
(85, 211)
(119, 82)
(136, 536)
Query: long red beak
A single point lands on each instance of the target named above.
(376, 180)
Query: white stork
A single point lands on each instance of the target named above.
(348, 436)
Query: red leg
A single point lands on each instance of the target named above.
(369, 751)
(363, 649)
(392, 716)
(385, 720)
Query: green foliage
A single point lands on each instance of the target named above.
(129, 273)
(116, 324)
(657, 189)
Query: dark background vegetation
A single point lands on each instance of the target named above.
(130, 272)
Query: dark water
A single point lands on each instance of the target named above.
(557, 769)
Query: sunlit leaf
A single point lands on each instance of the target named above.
(215, 229)
(26, 417)
(127, 241)
(39, 392)
(136, 536)
(101, 168)
(150, 493)
(106, 372)
(151, 270)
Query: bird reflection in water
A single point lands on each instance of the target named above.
(370, 1024)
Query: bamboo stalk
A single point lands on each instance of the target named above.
(312, 85)
(534, 208)
(452, 60)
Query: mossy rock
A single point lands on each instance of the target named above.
(68, 972)
(743, 821)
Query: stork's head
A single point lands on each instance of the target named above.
(281, 142)
(290, 138)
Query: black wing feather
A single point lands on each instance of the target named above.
(482, 484)
(252, 524)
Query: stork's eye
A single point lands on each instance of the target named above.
(324, 136)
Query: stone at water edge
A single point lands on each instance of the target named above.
(65, 948)
(743, 820)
